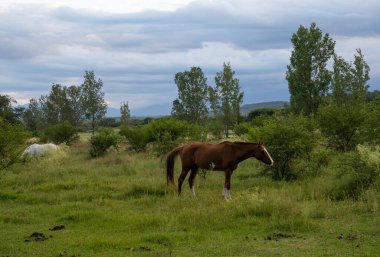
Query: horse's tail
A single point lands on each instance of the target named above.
(170, 158)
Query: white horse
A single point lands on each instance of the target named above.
(37, 150)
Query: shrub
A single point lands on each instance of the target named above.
(371, 128)
(342, 125)
(137, 137)
(62, 133)
(102, 141)
(163, 133)
(216, 128)
(252, 115)
(313, 166)
(169, 132)
(12, 137)
(286, 138)
(241, 129)
(354, 172)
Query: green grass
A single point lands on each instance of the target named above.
(119, 205)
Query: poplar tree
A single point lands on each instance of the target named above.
(307, 75)
(349, 83)
(191, 104)
(226, 98)
(125, 113)
(94, 104)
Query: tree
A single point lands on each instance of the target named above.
(94, 104)
(33, 116)
(12, 137)
(125, 113)
(7, 112)
(361, 77)
(75, 104)
(372, 96)
(307, 75)
(349, 81)
(226, 98)
(191, 104)
(54, 105)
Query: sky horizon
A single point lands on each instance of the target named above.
(137, 47)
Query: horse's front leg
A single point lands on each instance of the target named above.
(227, 184)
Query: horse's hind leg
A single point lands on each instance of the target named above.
(191, 179)
(181, 179)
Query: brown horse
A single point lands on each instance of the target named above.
(224, 156)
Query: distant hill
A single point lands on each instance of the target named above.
(112, 112)
(247, 108)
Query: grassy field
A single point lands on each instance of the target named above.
(119, 205)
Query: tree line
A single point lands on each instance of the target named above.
(329, 104)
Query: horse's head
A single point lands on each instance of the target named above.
(263, 155)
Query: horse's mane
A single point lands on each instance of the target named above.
(244, 143)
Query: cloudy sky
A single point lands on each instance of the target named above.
(137, 46)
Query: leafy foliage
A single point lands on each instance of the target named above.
(241, 129)
(94, 104)
(342, 125)
(191, 104)
(287, 138)
(125, 117)
(349, 83)
(355, 172)
(252, 115)
(12, 137)
(102, 141)
(371, 128)
(138, 137)
(163, 133)
(226, 98)
(307, 75)
(62, 133)
(7, 112)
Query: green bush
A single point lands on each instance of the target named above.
(319, 159)
(241, 129)
(354, 172)
(216, 128)
(342, 125)
(62, 133)
(169, 132)
(252, 115)
(138, 137)
(12, 137)
(103, 140)
(163, 134)
(371, 129)
(287, 139)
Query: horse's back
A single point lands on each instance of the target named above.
(204, 155)
(40, 149)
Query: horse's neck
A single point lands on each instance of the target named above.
(244, 151)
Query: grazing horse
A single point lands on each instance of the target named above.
(37, 150)
(224, 156)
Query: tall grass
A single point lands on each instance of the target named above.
(119, 205)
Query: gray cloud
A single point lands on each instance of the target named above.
(138, 54)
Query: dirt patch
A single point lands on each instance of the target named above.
(277, 236)
(37, 236)
(350, 237)
(55, 228)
